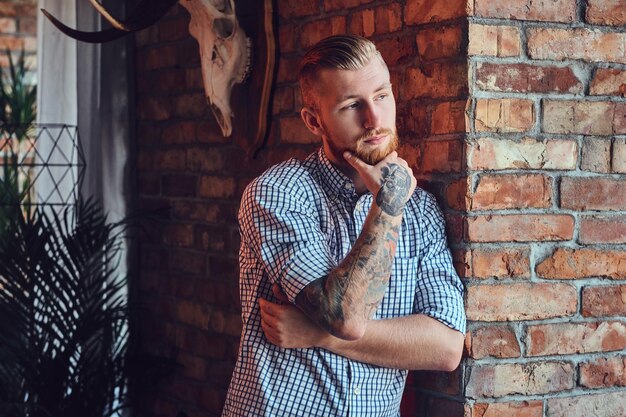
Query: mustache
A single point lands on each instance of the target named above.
(376, 132)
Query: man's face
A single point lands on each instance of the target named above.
(357, 112)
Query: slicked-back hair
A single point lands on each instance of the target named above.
(344, 52)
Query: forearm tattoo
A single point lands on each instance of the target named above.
(395, 187)
(358, 284)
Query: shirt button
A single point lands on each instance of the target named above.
(347, 186)
(357, 391)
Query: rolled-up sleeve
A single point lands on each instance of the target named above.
(280, 224)
(439, 290)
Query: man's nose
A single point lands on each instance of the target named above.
(371, 117)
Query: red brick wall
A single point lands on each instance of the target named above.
(511, 112)
(18, 30)
(547, 196)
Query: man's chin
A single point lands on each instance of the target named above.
(374, 156)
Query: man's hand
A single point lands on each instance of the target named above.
(286, 326)
(391, 180)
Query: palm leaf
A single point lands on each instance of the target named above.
(66, 315)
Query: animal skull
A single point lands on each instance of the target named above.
(224, 48)
(224, 52)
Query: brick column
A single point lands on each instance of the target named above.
(546, 201)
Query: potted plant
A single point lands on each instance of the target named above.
(64, 315)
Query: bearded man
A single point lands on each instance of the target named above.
(346, 278)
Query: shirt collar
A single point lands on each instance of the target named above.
(335, 181)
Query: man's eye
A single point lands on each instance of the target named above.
(382, 96)
(352, 106)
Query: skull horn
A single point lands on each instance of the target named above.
(145, 14)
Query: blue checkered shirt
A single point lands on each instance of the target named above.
(298, 221)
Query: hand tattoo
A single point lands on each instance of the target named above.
(396, 184)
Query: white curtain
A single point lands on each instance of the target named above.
(86, 85)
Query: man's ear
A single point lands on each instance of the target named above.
(312, 121)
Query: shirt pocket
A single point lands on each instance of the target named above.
(400, 294)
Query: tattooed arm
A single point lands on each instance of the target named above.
(343, 301)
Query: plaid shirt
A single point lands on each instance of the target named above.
(298, 221)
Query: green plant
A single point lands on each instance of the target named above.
(18, 101)
(63, 315)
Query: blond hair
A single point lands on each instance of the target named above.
(345, 52)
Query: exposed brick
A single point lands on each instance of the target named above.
(585, 44)
(11, 42)
(605, 405)
(602, 229)
(287, 69)
(27, 26)
(193, 366)
(216, 187)
(509, 409)
(7, 9)
(447, 80)
(609, 82)
(170, 160)
(596, 155)
(193, 210)
(604, 301)
(342, 4)
(520, 228)
(287, 38)
(363, 23)
(529, 153)
(388, 18)
(500, 41)
(448, 117)
(606, 12)
(504, 115)
(188, 261)
(512, 191)
(565, 263)
(179, 185)
(317, 30)
(619, 120)
(195, 314)
(396, 48)
(7, 25)
(204, 159)
(227, 323)
(440, 42)
(580, 117)
(525, 379)
(523, 301)
(525, 78)
(289, 9)
(155, 109)
(457, 194)
(178, 235)
(442, 156)
(604, 372)
(593, 194)
(179, 133)
(551, 11)
(494, 341)
(570, 338)
(500, 263)
(426, 11)
(293, 130)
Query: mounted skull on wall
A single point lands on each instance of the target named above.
(225, 51)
